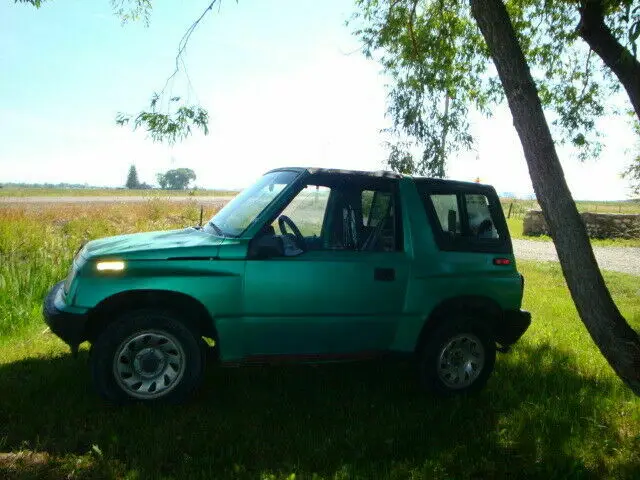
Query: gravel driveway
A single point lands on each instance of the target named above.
(618, 259)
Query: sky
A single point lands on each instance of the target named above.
(284, 82)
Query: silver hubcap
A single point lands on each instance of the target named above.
(461, 361)
(149, 364)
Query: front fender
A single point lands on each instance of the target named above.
(214, 283)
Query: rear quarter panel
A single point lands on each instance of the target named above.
(439, 276)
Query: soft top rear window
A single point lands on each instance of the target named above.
(465, 217)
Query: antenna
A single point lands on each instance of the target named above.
(201, 212)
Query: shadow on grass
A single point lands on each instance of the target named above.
(536, 418)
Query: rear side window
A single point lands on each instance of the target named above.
(448, 212)
(466, 220)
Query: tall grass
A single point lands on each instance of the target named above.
(37, 244)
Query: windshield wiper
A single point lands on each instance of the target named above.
(216, 228)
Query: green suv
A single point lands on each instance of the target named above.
(306, 265)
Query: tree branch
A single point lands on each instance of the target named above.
(593, 30)
(412, 18)
(182, 45)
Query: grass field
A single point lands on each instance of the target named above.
(106, 192)
(553, 408)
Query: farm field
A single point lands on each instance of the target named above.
(107, 192)
(553, 408)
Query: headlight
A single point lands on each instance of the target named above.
(110, 266)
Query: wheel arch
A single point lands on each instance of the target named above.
(485, 309)
(105, 312)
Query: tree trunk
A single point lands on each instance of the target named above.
(595, 32)
(617, 341)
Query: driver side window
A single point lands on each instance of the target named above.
(307, 211)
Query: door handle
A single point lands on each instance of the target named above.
(384, 274)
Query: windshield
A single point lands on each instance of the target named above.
(237, 215)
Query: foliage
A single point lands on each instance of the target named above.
(400, 160)
(35, 3)
(176, 179)
(633, 175)
(132, 178)
(132, 11)
(173, 125)
(552, 409)
(434, 57)
(432, 50)
(169, 120)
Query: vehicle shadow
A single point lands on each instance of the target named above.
(367, 420)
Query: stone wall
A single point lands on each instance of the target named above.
(599, 225)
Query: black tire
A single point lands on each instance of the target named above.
(457, 358)
(148, 356)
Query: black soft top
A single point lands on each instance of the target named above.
(431, 182)
(339, 172)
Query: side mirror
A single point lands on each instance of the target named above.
(266, 246)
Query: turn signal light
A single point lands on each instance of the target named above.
(110, 266)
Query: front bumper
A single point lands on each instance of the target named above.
(69, 326)
(514, 324)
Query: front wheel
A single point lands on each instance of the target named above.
(457, 358)
(149, 356)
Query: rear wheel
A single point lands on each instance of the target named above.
(458, 357)
(149, 356)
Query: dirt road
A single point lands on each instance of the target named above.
(618, 259)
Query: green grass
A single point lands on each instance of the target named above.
(553, 408)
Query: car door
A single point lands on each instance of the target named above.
(337, 298)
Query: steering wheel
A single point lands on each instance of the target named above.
(283, 222)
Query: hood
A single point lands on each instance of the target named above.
(188, 242)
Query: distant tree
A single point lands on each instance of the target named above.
(132, 178)
(176, 179)
(162, 180)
